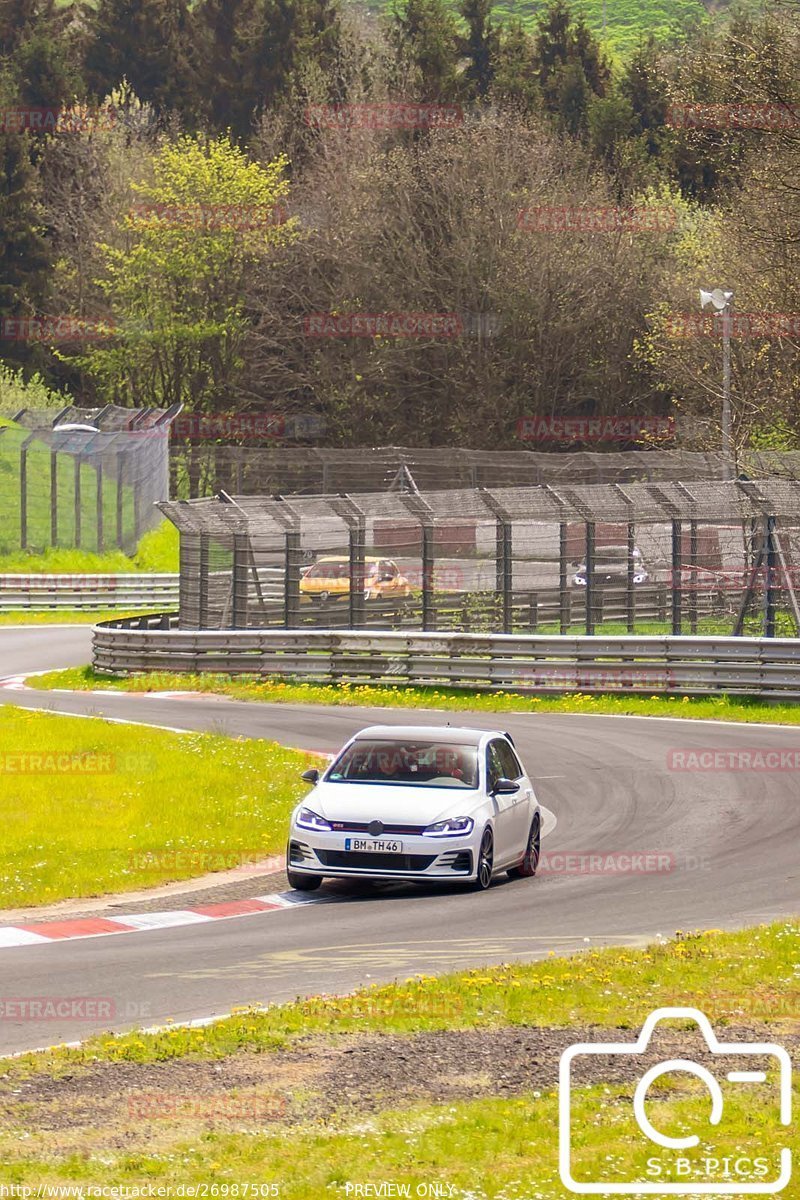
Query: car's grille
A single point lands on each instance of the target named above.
(376, 862)
(363, 827)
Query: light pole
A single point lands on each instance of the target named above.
(721, 302)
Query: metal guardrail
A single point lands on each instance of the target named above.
(88, 592)
(42, 592)
(766, 668)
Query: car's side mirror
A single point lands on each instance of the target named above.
(311, 775)
(505, 787)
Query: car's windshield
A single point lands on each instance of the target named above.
(419, 764)
(336, 570)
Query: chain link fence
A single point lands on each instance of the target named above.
(703, 556)
(82, 478)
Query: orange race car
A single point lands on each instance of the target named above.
(329, 578)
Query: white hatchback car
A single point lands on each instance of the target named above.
(417, 802)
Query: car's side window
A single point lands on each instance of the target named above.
(512, 769)
(494, 765)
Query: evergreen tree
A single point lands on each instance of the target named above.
(252, 50)
(25, 265)
(145, 42)
(480, 46)
(37, 44)
(571, 65)
(425, 36)
(644, 86)
(516, 78)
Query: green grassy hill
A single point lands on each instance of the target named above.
(626, 21)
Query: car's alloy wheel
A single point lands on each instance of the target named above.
(485, 861)
(303, 883)
(530, 862)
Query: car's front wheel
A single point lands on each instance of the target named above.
(303, 883)
(530, 862)
(483, 875)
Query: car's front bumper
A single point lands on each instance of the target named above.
(423, 857)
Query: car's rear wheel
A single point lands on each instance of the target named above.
(303, 883)
(483, 876)
(530, 862)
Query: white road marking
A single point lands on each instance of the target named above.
(163, 920)
(20, 937)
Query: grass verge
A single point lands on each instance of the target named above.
(157, 552)
(293, 1122)
(62, 616)
(720, 708)
(88, 807)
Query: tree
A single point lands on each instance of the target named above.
(571, 66)
(424, 35)
(145, 42)
(25, 261)
(480, 46)
(175, 290)
(254, 51)
(515, 77)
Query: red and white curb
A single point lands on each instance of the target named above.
(40, 932)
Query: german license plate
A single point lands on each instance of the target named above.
(375, 845)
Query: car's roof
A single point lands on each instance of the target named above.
(443, 733)
(342, 558)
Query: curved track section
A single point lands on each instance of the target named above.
(726, 841)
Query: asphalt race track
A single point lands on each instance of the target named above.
(730, 839)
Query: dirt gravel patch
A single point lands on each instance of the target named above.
(323, 1079)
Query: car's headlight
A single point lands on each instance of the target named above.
(307, 819)
(452, 827)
